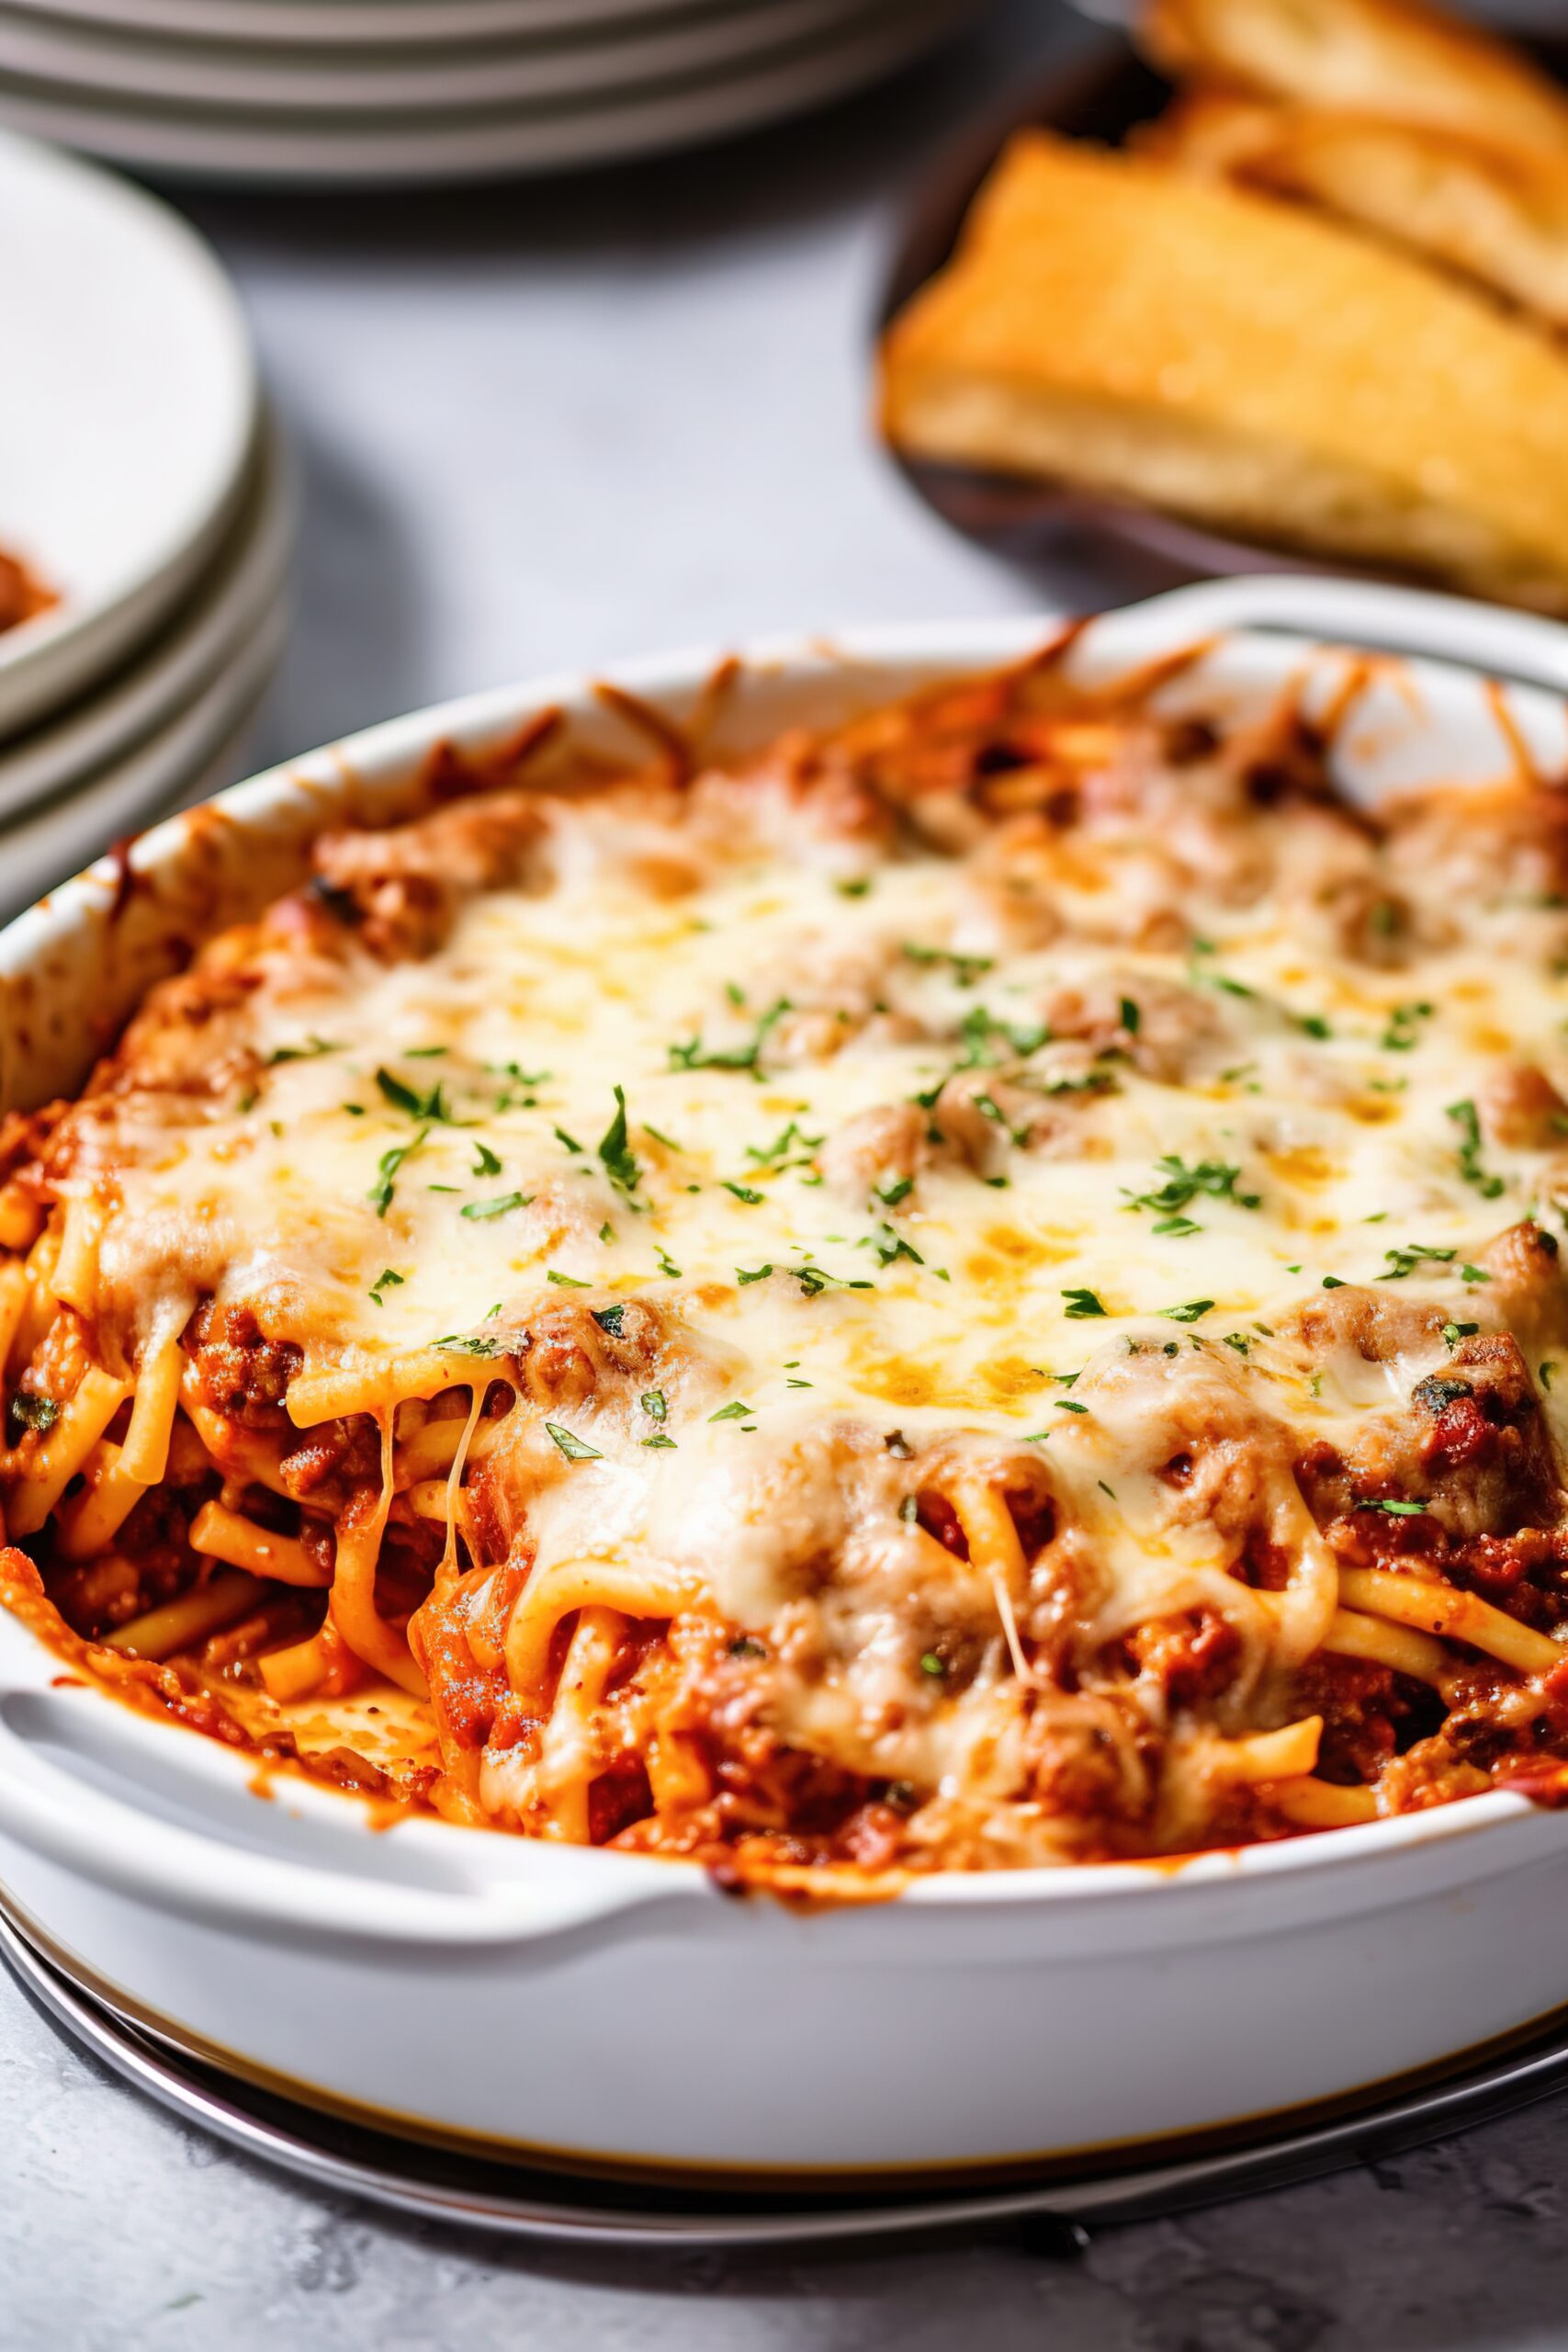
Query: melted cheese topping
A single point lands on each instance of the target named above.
(1318, 1101)
(1030, 1155)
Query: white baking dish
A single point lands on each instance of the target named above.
(618, 2009)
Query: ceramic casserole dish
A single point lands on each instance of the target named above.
(624, 2011)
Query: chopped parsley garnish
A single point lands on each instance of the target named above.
(791, 1148)
(857, 887)
(485, 1162)
(932, 1664)
(654, 1405)
(891, 1194)
(659, 1136)
(1216, 1179)
(965, 970)
(387, 1166)
(890, 1247)
(566, 1282)
(1468, 1120)
(747, 1646)
(694, 1055)
(1454, 1332)
(1190, 1313)
(386, 1279)
(570, 1142)
(1081, 1305)
(1390, 1509)
(430, 1104)
(1548, 1371)
(1402, 1033)
(310, 1051)
(732, 1412)
(1239, 1341)
(467, 1343)
(815, 1279)
(30, 1410)
(1069, 1405)
(1131, 1018)
(618, 1159)
(1473, 1274)
(746, 1193)
(498, 1206)
(1313, 1024)
(1335, 1281)
(980, 1030)
(658, 1438)
(666, 1262)
(609, 1319)
(1404, 1261)
(574, 1448)
(744, 1274)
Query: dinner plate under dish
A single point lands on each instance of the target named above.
(574, 2007)
(1050, 2217)
(481, 141)
(128, 408)
(231, 597)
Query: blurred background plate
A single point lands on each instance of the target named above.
(128, 405)
(1133, 550)
(239, 145)
(219, 71)
(383, 23)
(233, 595)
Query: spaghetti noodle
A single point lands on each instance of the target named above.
(977, 1289)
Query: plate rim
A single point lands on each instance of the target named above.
(52, 657)
(244, 580)
(472, 143)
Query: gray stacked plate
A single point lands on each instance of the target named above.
(141, 493)
(308, 92)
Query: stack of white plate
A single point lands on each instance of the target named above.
(139, 483)
(386, 91)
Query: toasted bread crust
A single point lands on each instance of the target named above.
(1500, 218)
(1394, 58)
(1238, 361)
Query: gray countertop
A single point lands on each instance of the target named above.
(559, 424)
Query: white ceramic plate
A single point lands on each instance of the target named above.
(476, 144)
(619, 2008)
(229, 599)
(219, 72)
(381, 24)
(128, 402)
(191, 756)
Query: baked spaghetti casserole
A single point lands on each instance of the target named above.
(980, 1288)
